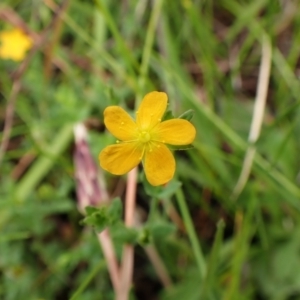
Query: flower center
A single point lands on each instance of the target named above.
(144, 137)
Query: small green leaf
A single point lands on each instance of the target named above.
(188, 115)
(169, 189)
(114, 210)
(161, 229)
(124, 235)
(152, 191)
(104, 216)
(160, 192)
(91, 209)
(96, 217)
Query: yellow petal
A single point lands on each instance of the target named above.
(159, 165)
(176, 132)
(119, 123)
(120, 158)
(151, 110)
(14, 44)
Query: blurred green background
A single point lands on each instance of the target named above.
(207, 56)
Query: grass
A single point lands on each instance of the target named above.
(206, 235)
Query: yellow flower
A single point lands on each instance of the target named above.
(145, 139)
(14, 44)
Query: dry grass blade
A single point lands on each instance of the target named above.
(258, 113)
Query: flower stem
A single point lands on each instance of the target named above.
(128, 251)
(191, 233)
(110, 257)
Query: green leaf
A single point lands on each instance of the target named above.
(167, 116)
(104, 216)
(114, 210)
(152, 191)
(188, 115)
(90, 210)
(96, 217)
(160, 229)
(160, 192)
(169, 189)
(124, 235)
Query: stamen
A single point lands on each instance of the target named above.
(144, 136)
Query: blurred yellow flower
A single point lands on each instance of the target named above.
(13, 44)
(144, 139)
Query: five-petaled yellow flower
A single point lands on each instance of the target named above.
(145, 139)
(14, 44)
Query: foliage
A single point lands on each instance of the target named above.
(214, 243)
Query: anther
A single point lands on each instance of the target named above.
(117, 141)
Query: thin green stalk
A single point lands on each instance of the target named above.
(153, 208)
(43, 164)
(243, 18)
(200, 260)
(287, 75)
(117, 36)
(87, 280)
(149, 42)
(238, 142)
(262, 229)
(245, 230)
(257, 30)
(207, 53)
(208, 284)
(115, 66)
